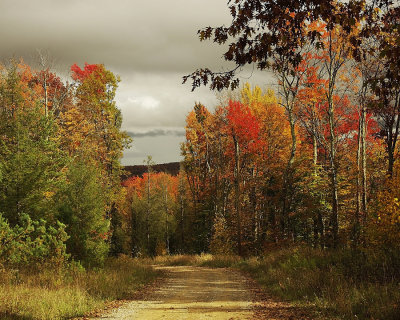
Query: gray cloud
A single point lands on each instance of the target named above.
(126, 35)
(157, 132)
(163, 149)
(150, 44)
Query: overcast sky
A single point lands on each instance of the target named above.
(149, 44)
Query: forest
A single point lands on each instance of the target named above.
(311, 162)
(306, 171)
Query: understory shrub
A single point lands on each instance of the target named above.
(32, 243)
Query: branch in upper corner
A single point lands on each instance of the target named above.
(217, 80)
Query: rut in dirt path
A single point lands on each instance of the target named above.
(193, 293)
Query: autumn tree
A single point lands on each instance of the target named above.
(237, 151)
(386, 84)
(202, 154)
(153, 232)
(96, 123)
(267, 166)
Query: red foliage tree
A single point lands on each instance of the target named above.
(80, 75)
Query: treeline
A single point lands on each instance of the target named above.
(60, 151)
(171, 168)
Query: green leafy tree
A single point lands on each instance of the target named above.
(31, 160)
(82, 210)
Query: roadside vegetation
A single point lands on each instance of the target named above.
(343, 284)
(71, 291)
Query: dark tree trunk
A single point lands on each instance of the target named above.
(237, 196)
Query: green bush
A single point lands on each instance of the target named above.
(82, 209)
(32, 243)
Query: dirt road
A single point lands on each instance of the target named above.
(192, 293)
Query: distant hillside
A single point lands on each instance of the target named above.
(135, 171)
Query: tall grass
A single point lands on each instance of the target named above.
(71, 292)
(203, 260)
